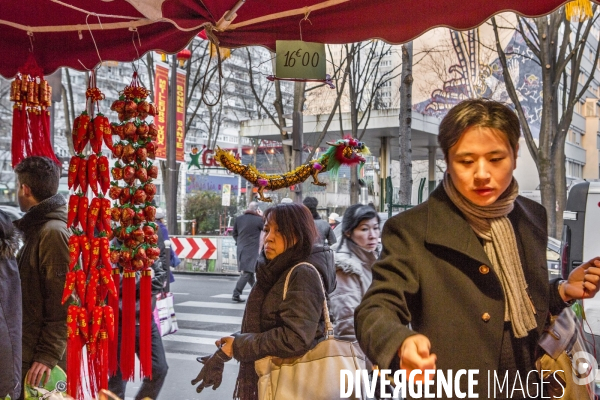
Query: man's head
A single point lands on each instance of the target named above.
(253, 206)
(37, 180)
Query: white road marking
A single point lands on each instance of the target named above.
(220, 319)
(217, 334)
(223, 296)
(180, 294)
(212, 304)
(189, 339)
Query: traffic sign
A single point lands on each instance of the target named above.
(195, 248)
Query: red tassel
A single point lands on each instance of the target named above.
(92, 355)
(74, 347)
(146, 324)
(128, 327)
(113, 343)
(18, 138)
(103, 360)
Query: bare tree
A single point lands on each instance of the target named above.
(405, 125)
(557, 46)
(367, 76)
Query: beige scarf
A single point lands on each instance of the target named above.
(491, 224)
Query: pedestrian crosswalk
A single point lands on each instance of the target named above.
(195, 320)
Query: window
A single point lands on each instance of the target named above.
(578, 108)
(574, 170)
(582, 78)
(598, 142)
(590, 110)
(574, 137)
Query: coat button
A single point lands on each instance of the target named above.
(485, 317)
(484, 269)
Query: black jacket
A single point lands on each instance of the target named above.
(10, 328)
(246, 233)
(434, 274)
(292, 327)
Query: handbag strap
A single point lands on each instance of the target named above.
(328, 324)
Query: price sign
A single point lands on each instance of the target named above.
(300, 60)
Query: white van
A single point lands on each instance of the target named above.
(581, 240)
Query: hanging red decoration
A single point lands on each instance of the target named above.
(32, 96)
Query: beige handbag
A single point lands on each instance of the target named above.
(568, 372)
(316, 374)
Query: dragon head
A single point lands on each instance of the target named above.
(346, 151)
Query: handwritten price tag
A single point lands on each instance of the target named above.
(300, 60)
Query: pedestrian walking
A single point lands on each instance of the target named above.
(354, 257)
(325, 231)
(174, 260)
(43, 265)
(272, 326)
(10, 311)
(334, 220)
(246, 233)
(462, 283)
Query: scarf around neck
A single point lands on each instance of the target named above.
(491, 224)
(268, 273)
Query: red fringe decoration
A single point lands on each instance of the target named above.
(92, 361)
(113, 343)
(128, 327)
(74, 347)
(146, 324)
(103, 382)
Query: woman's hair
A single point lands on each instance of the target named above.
(354, 215)
(295, 223)
(8, 237)
(478, 112)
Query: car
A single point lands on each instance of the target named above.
(553, 258)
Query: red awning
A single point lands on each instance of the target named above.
(59, 30)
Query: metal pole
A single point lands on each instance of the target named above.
(172, 178)
(168, 265)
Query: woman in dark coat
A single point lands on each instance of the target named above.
(467, 269)
(272, 326)
(10, 311)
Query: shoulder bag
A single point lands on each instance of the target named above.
(567, 368)
(316, 374)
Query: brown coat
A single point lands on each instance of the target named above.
(434, 274)
(43, 264)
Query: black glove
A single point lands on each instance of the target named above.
(211, 373)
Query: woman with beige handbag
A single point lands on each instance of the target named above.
(271, 325)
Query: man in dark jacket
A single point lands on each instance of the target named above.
(43, 265)
(246, 233)
(325, 230)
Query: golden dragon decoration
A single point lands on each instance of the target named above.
(347, 151)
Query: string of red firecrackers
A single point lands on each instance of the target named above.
(32, 96)
(89, 282)
(137, 231)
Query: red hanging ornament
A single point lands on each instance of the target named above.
(31, 120)
(146, 323)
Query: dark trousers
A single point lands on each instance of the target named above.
(150, 387)
(245, 277)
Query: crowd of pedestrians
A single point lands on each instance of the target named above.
(471, 256)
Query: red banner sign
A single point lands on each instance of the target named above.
(180, 116)
(161, 95)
